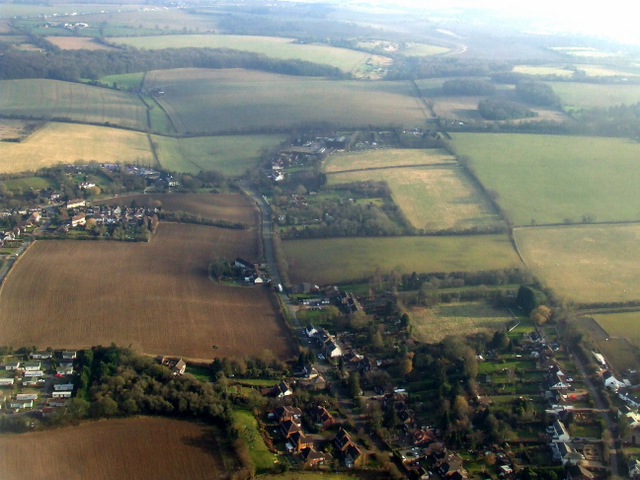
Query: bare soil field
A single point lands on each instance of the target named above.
(431, 325)
(155, 297)
(230, 207)
(77, 43)
(144, 447)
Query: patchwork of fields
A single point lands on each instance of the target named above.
(115, 449)
(585, 263)
(541, 179)
(166, 304)
(67, 143)
(341, 260)
(246, 101)
(53, 99)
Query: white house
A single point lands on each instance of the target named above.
(61, 394)
(6, 382)
(611, 382)
(559, 432)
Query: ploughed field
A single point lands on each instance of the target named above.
(144, 447)
(156, 297)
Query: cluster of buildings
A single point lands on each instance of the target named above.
(325, 341)
(80, 211)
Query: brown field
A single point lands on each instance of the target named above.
(229, 207)
(14, 128)
(155, 297)
(144, 447)
(77, 43)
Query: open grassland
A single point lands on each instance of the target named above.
(431, 325)
(590, 95)
(247, 425)
(431, 198)
(245, 101)
(624, 324)
(557, 179)
(53, 99)
(68, 143)
(543, 70)
(143, 447)
(273, 47)
(230, 154)
(585, 263)
(606, 71)
(124, 80)
(77, 43)
(230, 207)
(383, 158)
(349, 259)
(156, 297)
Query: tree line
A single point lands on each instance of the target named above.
(73, 65)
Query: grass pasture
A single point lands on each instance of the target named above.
(546, 179)
(202, 101)
(432, 199)
(316, 260)
(431, 325)
(68, 143)
(543, 70)
(231, 154)
(274, 47)
(77, 43)
(231, 207)
(124, 80)
(590, 95)
(585, 263)
(247, 425)
(53, 99)
(166, 304)
(624, 325)
(142, 447)
(384, 158)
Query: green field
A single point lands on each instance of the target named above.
(247, 425)
(273, 47)
(543, 70)
(545, 179)
(124, 80)
(625, 324)
(68, 143)
(343, 260)
(431, 198)
(391, 157)
(585, 263)
(590, 95)
(245, 101)
(53, 99)
(431, 325)
(231, 155)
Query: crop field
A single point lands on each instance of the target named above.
(585, 263)
(431, 325)
(384, 158)
(118, 448)
(53, 99)
(432, 198)
(590, 95)
(624, 324)
(316, 260)
(230, 207)
(543, 70)
(275, 47)
(166, 304)
(245, 101)
(77, 43)
(557, 179)
(68, 143)
(231, 154)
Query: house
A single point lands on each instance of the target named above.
(30, 381)
(565, 454)
(310, 331)
(280, 390)
(33, 373)
(311, 458)
(332, 350)
(26, 396)
(41, 355)
(18, 404)
(78, 220)
(634, 469)
(288, 428)
(76, 203)
(559, 432)
(31, 366)
(12, 365)
(4, 382)
(63, 387)
(610, 381)
(61, 394)
(176, 365)
(298, 441)
(351, 454)
(288, 413)
(69, 354)
(64, 370)
(322, 417)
